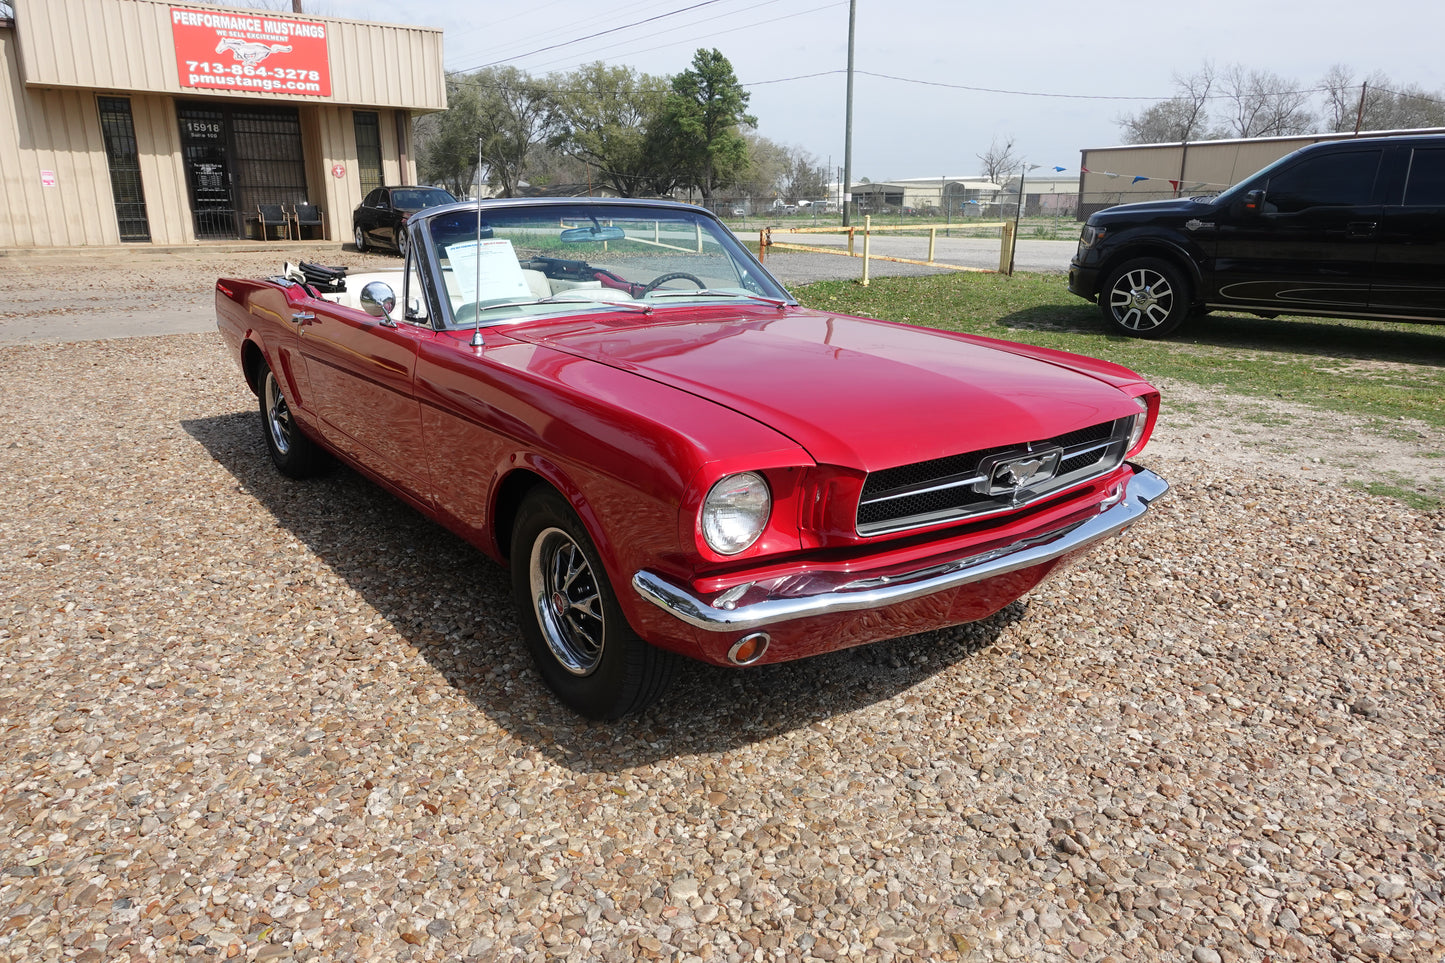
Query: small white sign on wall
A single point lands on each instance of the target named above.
(47, 179)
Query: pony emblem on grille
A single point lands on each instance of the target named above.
(1013, 474)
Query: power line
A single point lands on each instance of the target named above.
(603, 33)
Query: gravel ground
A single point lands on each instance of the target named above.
(250, 718)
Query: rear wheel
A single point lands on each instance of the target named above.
(583, 647)
(1147, 298)
(360, 238)
(294, 454)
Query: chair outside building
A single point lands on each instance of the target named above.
(309, 215)
(273, 216)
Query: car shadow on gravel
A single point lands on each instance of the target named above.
(1402, 344)
(453, 605)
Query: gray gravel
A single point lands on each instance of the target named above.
(243, 717)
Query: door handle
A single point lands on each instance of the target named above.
(1360, 229)
(301, 317)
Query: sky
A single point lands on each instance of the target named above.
(936, 82)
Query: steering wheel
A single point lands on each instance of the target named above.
(662, 279)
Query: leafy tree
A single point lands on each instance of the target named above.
(999, 160)
(517, 114)
(603, 117)
(499, 114)
(697, 132)
(447, 140)
(766, 170)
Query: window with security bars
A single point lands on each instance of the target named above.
(269, 163)
(118, 129)
(368, 149)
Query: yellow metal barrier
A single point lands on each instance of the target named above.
(765, 241)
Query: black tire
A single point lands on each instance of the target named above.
(1145, 298)
(294, 455)
(583, 647)
(400, 235)
(360, 237)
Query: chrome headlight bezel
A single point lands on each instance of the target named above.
(735, 512)
(1141, 421)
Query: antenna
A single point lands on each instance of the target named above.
(477, 254)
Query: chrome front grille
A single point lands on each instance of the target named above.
(988, 480)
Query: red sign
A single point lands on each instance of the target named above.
(227, 50)
(338, 171)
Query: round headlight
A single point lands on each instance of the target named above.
(735, 512)
(1140, 420)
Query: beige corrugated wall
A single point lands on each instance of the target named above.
(128, 45)
(1201, 168)
(62, 54)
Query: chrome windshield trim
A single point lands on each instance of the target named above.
(789, 598)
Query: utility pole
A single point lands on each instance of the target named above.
(848, 125)
(1360, 114)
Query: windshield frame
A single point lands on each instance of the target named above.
(436, 229)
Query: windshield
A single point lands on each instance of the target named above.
(1253, 182)
(539, 260)
(418, 198)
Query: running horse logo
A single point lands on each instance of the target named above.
(251, 54)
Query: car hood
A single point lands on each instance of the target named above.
(852, 391)
(1148, 209)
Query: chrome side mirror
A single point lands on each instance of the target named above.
(379, 300)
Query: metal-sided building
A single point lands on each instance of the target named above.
(147, 121)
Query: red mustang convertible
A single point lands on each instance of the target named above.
(674, 457)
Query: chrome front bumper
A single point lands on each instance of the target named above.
(759, 604)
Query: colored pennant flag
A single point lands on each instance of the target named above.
(1060, 169)
(1138, 178)
(1174, 184)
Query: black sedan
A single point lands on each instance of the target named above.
(382, 215)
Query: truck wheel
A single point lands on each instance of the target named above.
(1147, 298)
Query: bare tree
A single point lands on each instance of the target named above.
(999, 160)
(1263, 104)
(1378, 103)
(1183, 117)
(803, 178)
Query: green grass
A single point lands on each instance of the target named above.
(1387, 372)
(1415, 499)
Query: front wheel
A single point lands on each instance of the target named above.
(294, 455)
(1147, 298)
(582, 645)
(401, 241)
(360, 238)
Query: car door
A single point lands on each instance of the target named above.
(384, 220)
(361, 372)
(1304, 238)
(1410, 281)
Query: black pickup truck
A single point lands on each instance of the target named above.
(1346, 228)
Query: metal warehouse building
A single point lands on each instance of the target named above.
(142, 121)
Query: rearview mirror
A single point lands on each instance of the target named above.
(581, 235)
